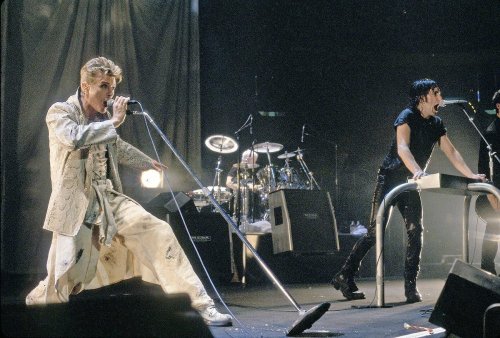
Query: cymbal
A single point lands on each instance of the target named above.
(291, 153)
(266, 147)
(244, 165)
(287, 155)
(221, 144)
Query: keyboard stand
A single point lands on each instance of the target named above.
(440, 183)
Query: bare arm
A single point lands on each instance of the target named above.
(230, 184)
(404, 152)
(456, 159)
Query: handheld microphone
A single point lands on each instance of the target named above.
(450, 102)
(110, 102)
(251, 123)
(302, 137)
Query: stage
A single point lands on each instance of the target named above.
(261, 309)
(266, 313)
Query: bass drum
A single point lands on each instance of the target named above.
(289, 178)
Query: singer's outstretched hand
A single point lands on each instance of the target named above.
(119, 110)
(159, 166)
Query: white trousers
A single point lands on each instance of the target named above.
(144, 245)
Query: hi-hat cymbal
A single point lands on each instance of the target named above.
(244, 165)
(287, 155)
(221, 144)
(291, 153)
(267, 147)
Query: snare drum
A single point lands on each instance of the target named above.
(222, 195)
(199, 198)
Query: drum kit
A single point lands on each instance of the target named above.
(249, 202)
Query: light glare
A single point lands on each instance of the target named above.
(151, 179)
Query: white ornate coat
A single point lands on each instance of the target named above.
(69, 139)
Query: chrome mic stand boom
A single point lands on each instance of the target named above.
(306, 318)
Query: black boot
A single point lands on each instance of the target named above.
(412, 262)
(411, 292)
(347, 286)
(344, 280)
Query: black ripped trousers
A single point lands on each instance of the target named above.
(410, 206)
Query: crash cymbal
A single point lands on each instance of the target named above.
(221, 144)
(267, 147)
(244, 165)
(287, 155)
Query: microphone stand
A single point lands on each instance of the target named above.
(336, 182)
(310, 176)
(238, 197)
(491, 153)
(306, 318)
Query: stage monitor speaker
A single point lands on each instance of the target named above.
(118, 316)
(462, 304)
(303, 221)
(209, 232)
(165, 204)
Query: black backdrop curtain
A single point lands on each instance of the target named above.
(44, 44)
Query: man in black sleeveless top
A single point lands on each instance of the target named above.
(418, 129)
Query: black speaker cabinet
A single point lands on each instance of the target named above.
(117, 316)
(462, 304)
(303, 221)
(209, 232)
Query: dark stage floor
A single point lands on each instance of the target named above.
(263, 311)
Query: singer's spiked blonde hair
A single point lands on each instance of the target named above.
(99, 65)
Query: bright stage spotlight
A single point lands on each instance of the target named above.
(151, 179)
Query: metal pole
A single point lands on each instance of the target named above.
(379, 255)
(207, 193)
(465, 225)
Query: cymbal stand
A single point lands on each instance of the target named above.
(250, 190)
(272, 177)
(237, 197)
(245, 199)
(216, 182)
(309, 174)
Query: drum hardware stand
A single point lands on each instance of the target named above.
(237, 198)
(220, 149)
(272, 176)
(306, 318)
(234, 271)
(217, 179)
(251, 192)
(309, 174)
